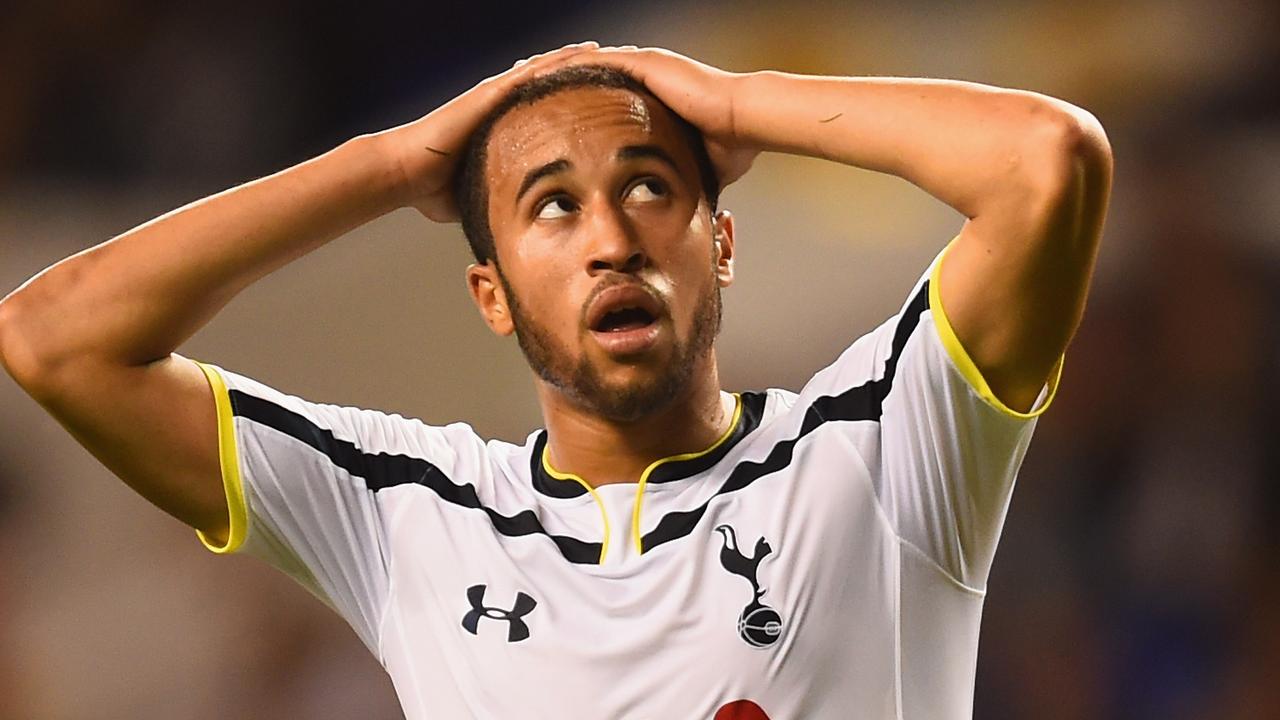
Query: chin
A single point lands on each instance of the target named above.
(633, 392)
(620, 386)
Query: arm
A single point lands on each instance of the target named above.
(92, 337)
(1031, 173)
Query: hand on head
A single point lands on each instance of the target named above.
(702, 94)
(430, 148)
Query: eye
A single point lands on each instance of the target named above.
(648, 190)
(555, 207)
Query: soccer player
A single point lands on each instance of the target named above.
(663, 548)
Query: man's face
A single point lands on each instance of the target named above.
(610, 272)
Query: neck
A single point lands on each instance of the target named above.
(603, 451)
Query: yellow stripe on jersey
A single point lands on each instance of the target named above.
(229, 461)
(960, 357)
(604, 514)
(644, 477)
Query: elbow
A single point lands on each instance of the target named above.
(1063, 188)
(1069, 153)
(14, 357)
(1088, 139)
(10, 355)
(19, 354)
(6, 333)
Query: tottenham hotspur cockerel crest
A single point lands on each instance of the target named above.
(759, 625)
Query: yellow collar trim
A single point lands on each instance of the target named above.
(644, 476)
(644, 479)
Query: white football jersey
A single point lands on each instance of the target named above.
(826, 558)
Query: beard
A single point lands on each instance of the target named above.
(581, 379)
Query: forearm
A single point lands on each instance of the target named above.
(965, 143)
(1030, 173)
(137, 297)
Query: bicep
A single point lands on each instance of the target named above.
(155, 427)
(1014, 282)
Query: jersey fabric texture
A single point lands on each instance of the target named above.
(826, 558)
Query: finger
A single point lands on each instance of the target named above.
(566, 50)
(611, 56)
(558, 54)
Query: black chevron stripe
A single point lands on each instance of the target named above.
(864, 402)
(382, 470)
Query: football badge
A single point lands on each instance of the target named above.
(759, 625)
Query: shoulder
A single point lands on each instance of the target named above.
(342, 430)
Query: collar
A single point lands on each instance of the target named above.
(748, 411)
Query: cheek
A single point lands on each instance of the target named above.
(559, 314)
(547, 299)
(681, 240)
(694, 281)
(700, 224)
(679, 224)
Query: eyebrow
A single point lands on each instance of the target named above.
(536, 174)
(632, 152)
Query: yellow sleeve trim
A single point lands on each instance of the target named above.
(644, 477)
(604, 514)
(960, 357)
(229, 461)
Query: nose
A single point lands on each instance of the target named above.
(613, 245)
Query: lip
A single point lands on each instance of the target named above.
(617, 297)
(629, 342)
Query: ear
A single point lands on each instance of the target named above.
(490, 297)
(722, 237)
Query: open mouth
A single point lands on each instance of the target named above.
(624, 319)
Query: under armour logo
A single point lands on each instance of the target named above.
(517, 630)
(759, 625)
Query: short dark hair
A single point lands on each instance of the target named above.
(471, 188)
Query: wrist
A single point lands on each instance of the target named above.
(753, 93)
(386, 149)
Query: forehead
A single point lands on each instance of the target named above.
(580, 125)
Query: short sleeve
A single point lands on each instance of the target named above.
(942, 450)
(302, 480)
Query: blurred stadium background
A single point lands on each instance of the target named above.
(1137, 577)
